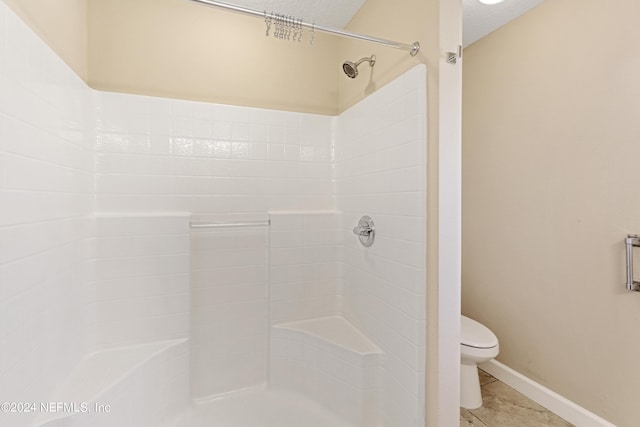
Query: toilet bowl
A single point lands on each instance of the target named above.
(477, 345)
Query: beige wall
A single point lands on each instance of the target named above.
(388, 20)
(179, 49)
(62, 24)
(172, 48)
(551, 142)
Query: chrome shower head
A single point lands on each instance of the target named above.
(351, 68)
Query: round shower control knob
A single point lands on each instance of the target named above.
(366, 231)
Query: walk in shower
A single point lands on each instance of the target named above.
(171, 263)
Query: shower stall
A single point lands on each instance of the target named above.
(171, 263)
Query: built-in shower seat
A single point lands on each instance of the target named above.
(331, 361)
(131, 385)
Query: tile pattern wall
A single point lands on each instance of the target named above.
(161, 155)
(381, 172)
(157, 154)
(305, 265)
(46, 187)
(229, 305)
(141, 272)
(164, 156)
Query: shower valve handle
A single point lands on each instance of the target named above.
(362, 230)
(366, 231)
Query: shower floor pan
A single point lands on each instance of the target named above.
(324, 372)
(259, 407)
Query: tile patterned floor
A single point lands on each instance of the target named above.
(504, 407)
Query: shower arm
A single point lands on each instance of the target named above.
(413, 49)
(370, 59)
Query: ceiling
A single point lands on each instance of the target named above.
(478, 21)
(481, 19)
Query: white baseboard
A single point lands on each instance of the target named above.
(557, 404)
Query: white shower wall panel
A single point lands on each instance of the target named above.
(156, 154)
(229, 305)
(305, 265)
(160, 155)
(140, 291)
(46, 197)
(381, 172)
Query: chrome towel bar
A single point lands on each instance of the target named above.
(631, 241)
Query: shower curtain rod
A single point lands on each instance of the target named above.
(413, 49)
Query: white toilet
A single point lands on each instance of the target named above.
(477, 344)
